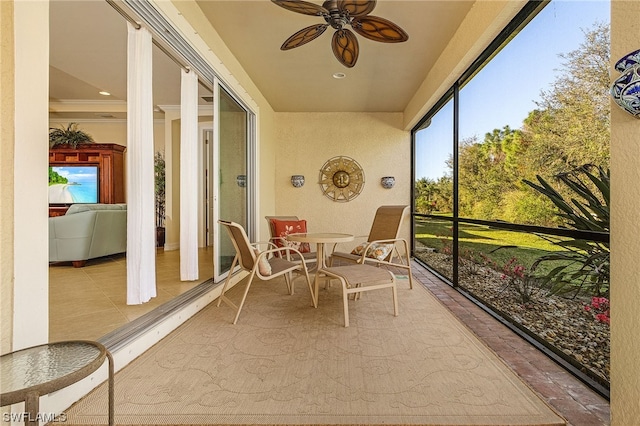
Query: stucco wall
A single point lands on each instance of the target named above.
(625, 241)
(31, 159)
(305, 141)
(6, 174)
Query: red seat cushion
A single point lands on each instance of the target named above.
(282, 228)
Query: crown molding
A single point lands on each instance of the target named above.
(75, 105)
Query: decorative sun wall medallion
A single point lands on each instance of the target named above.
(341, 179)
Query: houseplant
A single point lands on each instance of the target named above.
(159, 172)
(69, 135)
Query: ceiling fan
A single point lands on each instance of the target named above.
(339, 14)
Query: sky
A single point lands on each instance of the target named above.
(505, 91)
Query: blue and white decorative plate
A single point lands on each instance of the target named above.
(628, 60)
(625, 90)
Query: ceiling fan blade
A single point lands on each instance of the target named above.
(356, 7)
(301, 6)
(304, 36)
(379, 29)
(345, 47)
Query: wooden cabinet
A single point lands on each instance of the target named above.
(109, 158)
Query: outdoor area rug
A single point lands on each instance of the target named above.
(286, 363)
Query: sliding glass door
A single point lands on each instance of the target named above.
(232, 182)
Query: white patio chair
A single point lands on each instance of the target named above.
(260, 264)
(381, 247)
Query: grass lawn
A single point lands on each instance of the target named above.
(497, 244)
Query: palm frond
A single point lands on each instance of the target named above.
(70, 135)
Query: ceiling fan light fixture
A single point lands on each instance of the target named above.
(339, 14)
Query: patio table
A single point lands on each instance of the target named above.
(39, 370)
(320, 238)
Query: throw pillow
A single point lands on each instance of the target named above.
(375, 251)
(282, 228)
(264, 267)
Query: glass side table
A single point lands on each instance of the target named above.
(27, 374)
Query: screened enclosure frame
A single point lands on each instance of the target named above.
(528, 12)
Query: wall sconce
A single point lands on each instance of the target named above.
(297, 181)
(241, 180)
(387, 182)
(625, 90)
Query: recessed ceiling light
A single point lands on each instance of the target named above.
(339, 75)
(103, 93)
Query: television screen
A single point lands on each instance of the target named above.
(73, 184)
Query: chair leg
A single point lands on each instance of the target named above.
(395, 298)
(244, 296)
(314, 295)
(345, 302)
(408, 259)
(410, 279)
(358, 294)
(289, 280)
(226, 282)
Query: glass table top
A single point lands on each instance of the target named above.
(46, 363)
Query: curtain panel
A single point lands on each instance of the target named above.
(189, 176)
(141, 251)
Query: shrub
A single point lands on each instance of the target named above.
(583, 265)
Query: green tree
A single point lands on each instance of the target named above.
(434, 196)
(572, 122)
(424, 190)
(443, 196)
(488, 170)
(569, 128)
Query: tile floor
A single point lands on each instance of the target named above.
(87, 303)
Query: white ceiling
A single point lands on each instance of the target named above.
(88, 54)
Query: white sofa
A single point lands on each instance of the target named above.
(88, 231)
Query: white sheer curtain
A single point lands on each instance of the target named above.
(189, 177)
(141, 252)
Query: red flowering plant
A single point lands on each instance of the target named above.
(519, 281)
(600, 309)
(474, 262)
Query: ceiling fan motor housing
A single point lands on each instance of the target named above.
(336, 18)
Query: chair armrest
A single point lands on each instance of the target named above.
(282, 240)
(390, 241)
(393, 241)
(269, 245)
(335, 245)
(257, 244)
(286, 243)
(280, 250)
